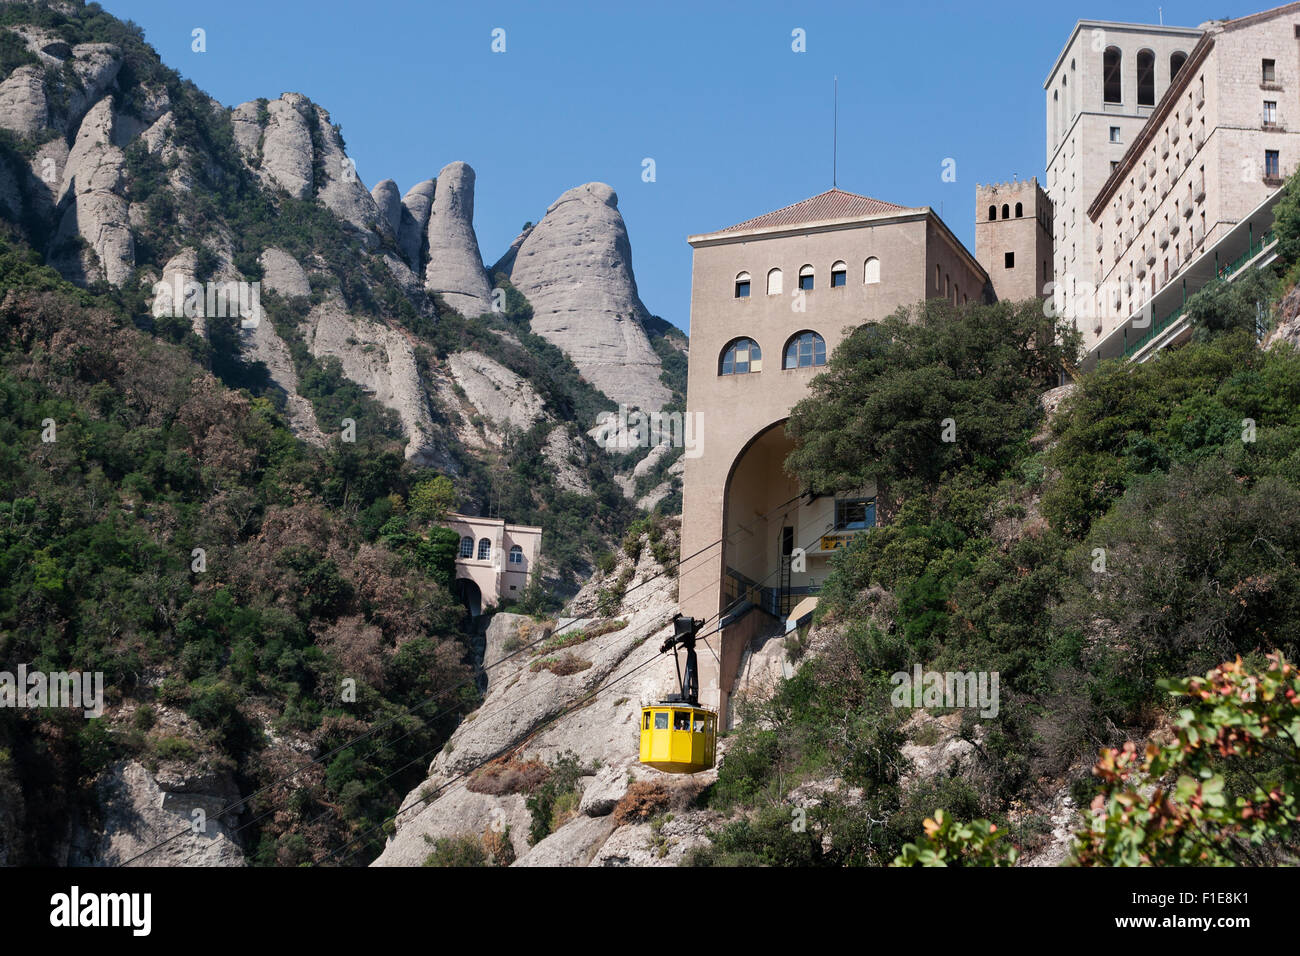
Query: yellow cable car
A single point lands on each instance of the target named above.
(677, 734)
(678, 738)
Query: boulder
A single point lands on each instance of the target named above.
(247, 129)
(455, 269)
(22, 101)
(287, 153)
(506, 399)
(574, 844)
(604, 791)
(93, 204)
(415, 220)
(139, 811)
(575, 268)
(282, 274)
(389, 202)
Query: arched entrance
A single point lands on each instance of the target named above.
(470, 597)
(761, 526)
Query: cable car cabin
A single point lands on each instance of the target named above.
(678, 738)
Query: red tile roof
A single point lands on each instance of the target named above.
(832, 204)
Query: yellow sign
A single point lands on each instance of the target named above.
(832, 542)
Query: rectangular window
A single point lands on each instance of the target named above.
(1009, 260)
(1114, 134)
(1272, 164)
(661, 720)
(806, 283)
(1114, 165)
(1269, 71)
(1270, 112)
(855, 514)
(742, 289)
(838, 279)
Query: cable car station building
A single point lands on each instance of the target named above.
(771, 298)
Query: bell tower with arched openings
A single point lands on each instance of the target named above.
(1013, 238)
(771, 298)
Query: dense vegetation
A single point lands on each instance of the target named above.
(1153, 531)
(297, 594)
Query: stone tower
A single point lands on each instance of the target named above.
(1013, 238)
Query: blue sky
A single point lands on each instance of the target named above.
(736, 122)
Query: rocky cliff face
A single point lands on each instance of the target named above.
(575, 268)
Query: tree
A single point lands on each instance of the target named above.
(432, 498)
(1223, 307)
(926, 391)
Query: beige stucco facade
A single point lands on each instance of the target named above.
(500, 558)
(741, 511)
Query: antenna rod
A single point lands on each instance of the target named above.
(835, 137)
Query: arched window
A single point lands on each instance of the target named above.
(1020, 210)
(1146, 62)
(516, 554)
(871, 271)
(740, 356)
(742, 286)
(467, 547)
(806, 278)
(1176, 61)
(1006, 211)
(805, 350)
(1056, 114)
(839, 275)
(484, 549)
(1112, 62)
(774, 282)
(993, 213)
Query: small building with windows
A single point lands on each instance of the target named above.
(770, 300)
(494, 560)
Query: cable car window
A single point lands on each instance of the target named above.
(647, 720)
(681, 720)
(661, 720)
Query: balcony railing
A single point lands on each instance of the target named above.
(1225, 272)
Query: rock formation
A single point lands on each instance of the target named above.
(389, 202)
(287, 153)
(94, 207)
(575, 267)
(415, 220)
(455, 269)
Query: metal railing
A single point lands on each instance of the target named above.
(1225, 272)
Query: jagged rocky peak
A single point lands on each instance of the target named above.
(575, 267)
(277, 142)
(455, 268)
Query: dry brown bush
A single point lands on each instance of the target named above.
(505, 776)
(641, 802)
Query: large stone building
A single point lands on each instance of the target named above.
(1219, 143)
(770, 299)
(1099, 94)
(1161, 141)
